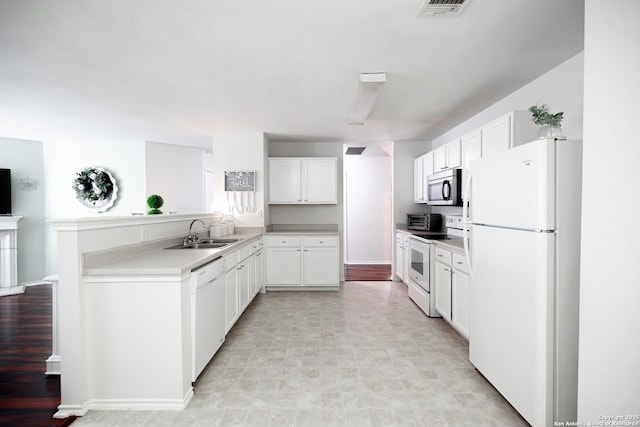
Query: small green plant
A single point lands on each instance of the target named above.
(541, 116)
(154, 202)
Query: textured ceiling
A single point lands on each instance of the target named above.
(177, 71)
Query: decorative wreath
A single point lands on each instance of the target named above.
(95, 188)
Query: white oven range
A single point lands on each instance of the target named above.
(421, 280)
(421, 261)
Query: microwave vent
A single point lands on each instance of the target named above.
(442, 7)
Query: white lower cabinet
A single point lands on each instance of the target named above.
(460, 302)
(319, 266)
(284, 260)
(399, 265)
(258, 268)
(241, 281)
(443, 290)
(452, 289)
(298, 261)
(232, 294)
(403, 256)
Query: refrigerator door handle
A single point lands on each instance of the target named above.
(446, 195)
(465, 213)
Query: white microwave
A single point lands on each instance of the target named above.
(444, 188)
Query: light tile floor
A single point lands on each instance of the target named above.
(363, 356)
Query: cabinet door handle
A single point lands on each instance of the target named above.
(446, 269)
(440, 255)
(458, 262)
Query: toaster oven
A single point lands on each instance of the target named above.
(424, 222)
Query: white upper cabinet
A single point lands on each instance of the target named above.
(294, 180)
(422, 168)
(447, 156)
(427, 169)
(285, 180)
(320, 180)
(418, 180)
(496, 136)
(439, 159)
(471, 148)
(454, 154)
(508, 131)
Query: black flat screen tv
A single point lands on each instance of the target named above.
(5, 191)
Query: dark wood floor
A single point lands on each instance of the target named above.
(27, 396)
(367, 272)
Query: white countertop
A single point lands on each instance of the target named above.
(168, 261)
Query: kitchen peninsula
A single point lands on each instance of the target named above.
(125, 309)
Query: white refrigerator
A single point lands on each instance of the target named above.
(525, 260)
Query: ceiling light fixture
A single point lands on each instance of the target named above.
(368, 90)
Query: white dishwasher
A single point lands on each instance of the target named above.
(207, 314)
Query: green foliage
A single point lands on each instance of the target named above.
(155, 202)
(93, 184)
(541, 115)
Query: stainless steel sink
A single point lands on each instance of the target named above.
(207, 243)
(212, 240)
(200, 245)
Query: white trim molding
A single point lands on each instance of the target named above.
(9, 256)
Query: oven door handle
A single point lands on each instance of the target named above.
(446, 195)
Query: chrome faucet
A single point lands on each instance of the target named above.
(193, 237)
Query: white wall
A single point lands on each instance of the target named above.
(176, 173)
(63, 158)
(237, 152)
(609, 366)
(368, 198)
(403, 155)
(24, 158)
(560, 88)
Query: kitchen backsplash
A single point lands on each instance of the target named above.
(301, 214)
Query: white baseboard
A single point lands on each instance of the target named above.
(53, 365)
(13, 290)
(65, 411)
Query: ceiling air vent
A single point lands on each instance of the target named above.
(442, 7)
(354, 151)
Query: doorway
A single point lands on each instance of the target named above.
(368, 211)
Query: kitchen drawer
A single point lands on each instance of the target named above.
(283, 241)
(460, 263)
(443, 255)
(331, 241)
(419, 296)
(231, 260)
(246, 251)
